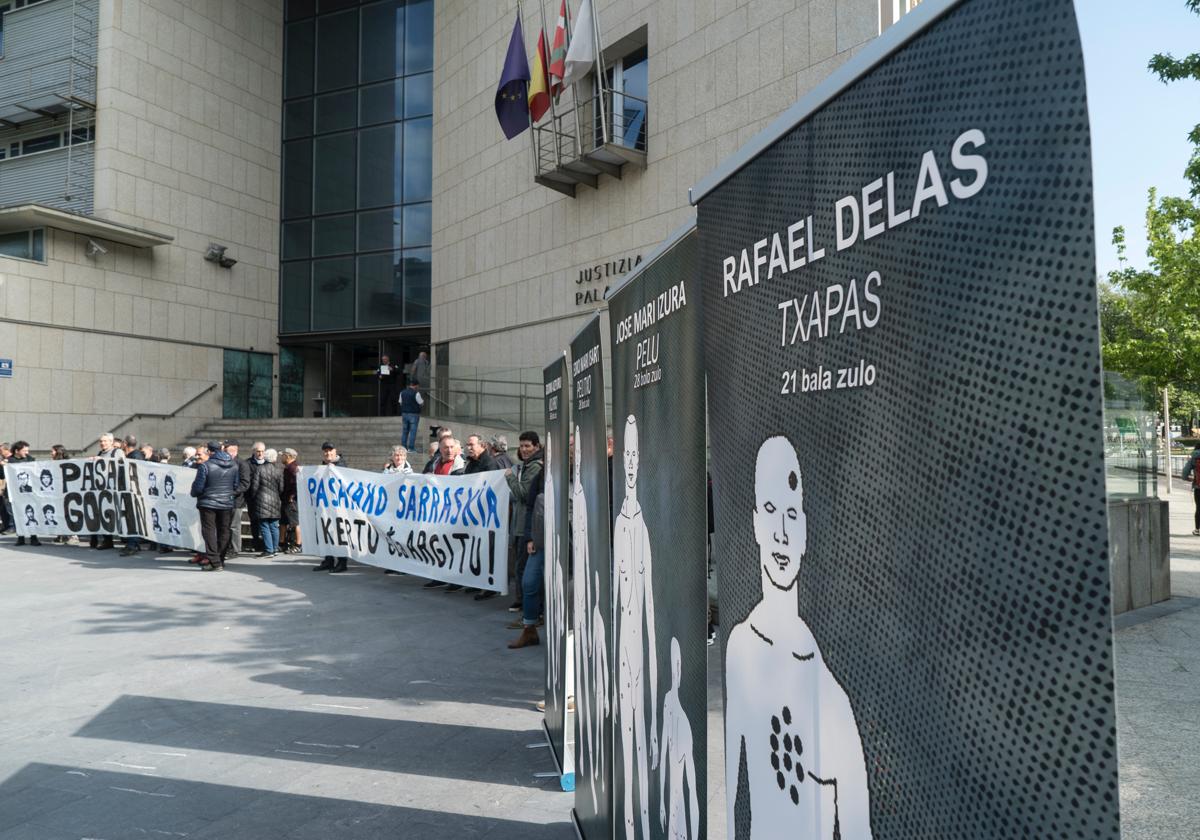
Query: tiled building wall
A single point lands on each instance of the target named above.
(187, 144)
(507, 252)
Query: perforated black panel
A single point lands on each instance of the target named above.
(955, 578)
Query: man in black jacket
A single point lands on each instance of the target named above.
(479, 457)
(215, 488)
(333, 459)
(239, 501)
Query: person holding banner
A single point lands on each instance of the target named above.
(20, 454)
(331, 458)
(108, 449)
(214, 489)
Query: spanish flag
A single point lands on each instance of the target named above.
(539, 85)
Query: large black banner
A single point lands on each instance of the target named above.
(557, 550)
(591, 613)
(901, 343)
(659, 541)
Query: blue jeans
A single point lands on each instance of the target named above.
(408, 431)
(268, 531)
(532, 596)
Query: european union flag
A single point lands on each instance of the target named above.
(512, 102)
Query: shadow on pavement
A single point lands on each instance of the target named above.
(453, 751)
(49, 802)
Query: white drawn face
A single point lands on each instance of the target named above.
(578, 455)
(779, 524)
(631, 453)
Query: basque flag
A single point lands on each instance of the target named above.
(512, 103)
(558, 50)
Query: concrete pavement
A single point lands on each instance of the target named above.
(144, 698)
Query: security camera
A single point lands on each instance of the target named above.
(215, 252)
(227, 262)
(94, 248)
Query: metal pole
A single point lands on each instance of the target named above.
(528, 116)
(549, 91)
(1167, 433)
(574, 85)
(600, 76)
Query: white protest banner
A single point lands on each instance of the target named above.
(119, 497)
(452, 528)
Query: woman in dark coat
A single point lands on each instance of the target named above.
(290, 521)
(266, 499)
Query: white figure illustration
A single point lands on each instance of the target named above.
(602, 701)
(555, 595)
(583, 615)
(786, 713)
(636, 651)
(677, 799)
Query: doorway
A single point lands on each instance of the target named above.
(247, 385)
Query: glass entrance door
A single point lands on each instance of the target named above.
(353, 385)
(247, 385)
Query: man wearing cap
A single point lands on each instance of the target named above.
(214, 489)
(331, 458)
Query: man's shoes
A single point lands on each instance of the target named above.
(209, 567)
(1196, 533)
(106, 544)
(528, 638)
(339, 566)
(34, 540)
(515, 606)
(483, 596)
(453, 587)
(198, 559)
(540, 705)
(325, 566)
(433, 584)
(264, 554)
(20, 541)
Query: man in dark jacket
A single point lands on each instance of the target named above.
(331, 458)
(479, 458)
(524, 483)
(214, 488)
(239, 499)
(258, 457)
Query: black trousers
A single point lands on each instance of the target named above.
(6, 517)
(214, 524)
(389, 399)
(1196, 499)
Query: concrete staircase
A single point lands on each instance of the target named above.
(364, 442)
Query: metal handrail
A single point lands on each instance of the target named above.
(570, 133)
(141, 415)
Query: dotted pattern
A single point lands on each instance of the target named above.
(595, 820)
(956, 577)
(672, 490)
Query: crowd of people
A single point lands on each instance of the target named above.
(262, 488)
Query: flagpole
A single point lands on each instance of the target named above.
(528, 116)
(600, 74)
(550, 87)
(574, 85)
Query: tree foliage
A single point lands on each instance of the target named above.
(1150, 318)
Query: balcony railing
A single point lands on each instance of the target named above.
(577, 143)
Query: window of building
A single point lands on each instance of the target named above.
(629, 83)
(357, 164)
(24, 245)
(41, 144)
(891, 11)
